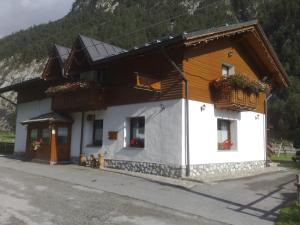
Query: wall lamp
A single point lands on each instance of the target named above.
(202, 108)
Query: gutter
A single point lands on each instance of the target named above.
(186, 115)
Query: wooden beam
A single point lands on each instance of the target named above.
(8, 100)
(53, 148)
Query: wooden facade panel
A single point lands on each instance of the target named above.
(204, 64)
(122, 79)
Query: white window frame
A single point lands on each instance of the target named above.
(227, 70)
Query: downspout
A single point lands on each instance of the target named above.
(186, 115)
(82, 130)
(268, 97)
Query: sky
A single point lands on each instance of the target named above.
(21, 14)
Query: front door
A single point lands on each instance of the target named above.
(63, 141)
(38, 141)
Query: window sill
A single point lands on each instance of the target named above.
(93, 146)
(227, 150)
(134, 148)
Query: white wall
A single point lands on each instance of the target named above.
(249, 145)
(26, 111)
(163, 132)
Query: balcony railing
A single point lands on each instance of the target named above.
(235, 99)
(76, 98)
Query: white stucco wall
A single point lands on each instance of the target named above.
(163, 132)
(26, 111)
(249, 142)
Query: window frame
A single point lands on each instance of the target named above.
(229, 69)
(47, 142)
(65, 137)
(94, 142)
(229, 134)
(140, 143)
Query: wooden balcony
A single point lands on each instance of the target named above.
(79, 100)
(235, 99)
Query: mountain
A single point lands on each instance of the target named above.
(129, 23)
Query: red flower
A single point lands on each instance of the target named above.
(133, 141)
(227, 144)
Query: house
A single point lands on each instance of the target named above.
(188, 105)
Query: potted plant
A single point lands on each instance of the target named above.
(240, 81)
(69, 86)
(36, 145)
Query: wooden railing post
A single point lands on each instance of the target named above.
(298, 192)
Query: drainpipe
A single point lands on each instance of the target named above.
(186, 115)
(268, 97)
(82, 130)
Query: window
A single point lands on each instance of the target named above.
(224, 134)
(98, 133)
(45, 136)
(62, 135)
(137, 132)
(89, 76)
(33, 134)
(227, 70)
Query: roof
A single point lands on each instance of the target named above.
(62, 53)
(49, 117)
(205, 35)
(20, 85)
(98, 50)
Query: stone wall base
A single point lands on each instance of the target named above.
(145, 167)
(217, 169)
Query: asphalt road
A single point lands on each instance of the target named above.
(32, 193)
(27, 199)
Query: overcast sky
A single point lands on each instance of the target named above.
(20, 14)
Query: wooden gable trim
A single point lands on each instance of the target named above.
(261, 38)
(45, 71)
(265, 44)
(73, 61)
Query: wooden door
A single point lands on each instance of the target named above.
(44, 136)
(38, 133)
(63, 142)
(32, 136)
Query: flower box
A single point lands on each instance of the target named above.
(237, 93)
(69, 87)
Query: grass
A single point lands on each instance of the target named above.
(6, 136)
(285, 160)
(282, 157)
(288, 215)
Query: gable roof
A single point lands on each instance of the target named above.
(58, 55)
(86, 51)
(49, 117)
(98, 50)
(207, 35)
(263, 45)
(62, 53)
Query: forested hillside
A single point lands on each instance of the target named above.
(129, 23)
